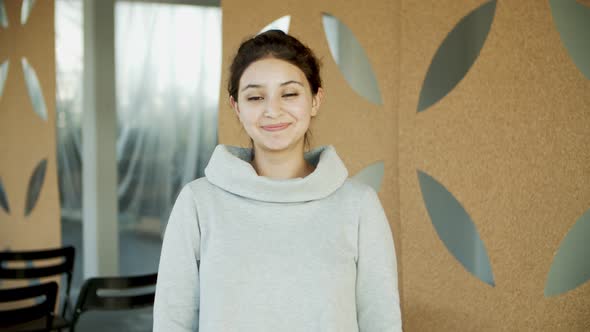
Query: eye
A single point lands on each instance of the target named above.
(254, 98)
(290, 95)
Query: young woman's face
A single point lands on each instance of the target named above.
(275, 104)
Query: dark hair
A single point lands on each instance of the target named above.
(279, 45)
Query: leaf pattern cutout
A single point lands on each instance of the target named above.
(351, 58)
(571, 266)
(26, 10)
(455, 228)
(34, 89)
(281, 23)
(3, 75)
(372, 175)
(4, 198)
(572, 20)
(456, 55)
(3, 15)
(35, 185)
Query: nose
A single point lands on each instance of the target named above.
(273, 108)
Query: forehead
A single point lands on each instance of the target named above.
(270, 71)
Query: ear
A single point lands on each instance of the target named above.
(234, 105)
(316, 101)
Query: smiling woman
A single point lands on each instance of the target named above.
(275, 107)
(304, 68)
(275, 238)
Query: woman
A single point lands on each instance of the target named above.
(274, 238)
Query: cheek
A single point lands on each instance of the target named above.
(249, 124)
(300, 110)
(303, 115)
(248, 116)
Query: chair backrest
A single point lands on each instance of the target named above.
(115, 293)
(29, 272)
(65, 265)
(36, 310)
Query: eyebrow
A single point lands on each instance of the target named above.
(260, 86)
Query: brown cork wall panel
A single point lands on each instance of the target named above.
(26, 139)
(510, 143)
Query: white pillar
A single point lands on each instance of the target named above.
(99, 134)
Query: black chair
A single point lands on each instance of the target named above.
(65, 265)
(36, 316)
(115, 293)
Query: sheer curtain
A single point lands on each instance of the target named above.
(69, 52)
(168, 62)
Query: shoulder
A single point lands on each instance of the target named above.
(357, 188)
(356, 194)
(198, 185)
(366, 196)
(193, 191)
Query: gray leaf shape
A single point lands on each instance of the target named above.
(34, 89)
(3, 15)
(456, 55)
(571, 266)
(372, 175)
(4, 198)
(3, 75)
(351, 58)
(455, 228)
(25, 10)
(572, 20)
(281, 23)
(35, 185)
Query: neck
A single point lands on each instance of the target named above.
(287, 164)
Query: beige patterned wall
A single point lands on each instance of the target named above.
(509, 142)
(27, 134)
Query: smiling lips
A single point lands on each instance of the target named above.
(276, 127)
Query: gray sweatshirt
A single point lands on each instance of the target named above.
(244, 253)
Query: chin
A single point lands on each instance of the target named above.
(277, 146)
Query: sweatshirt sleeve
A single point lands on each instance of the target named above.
(176, 306)
(377, 298)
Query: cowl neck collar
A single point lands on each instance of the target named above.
(229, 169)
